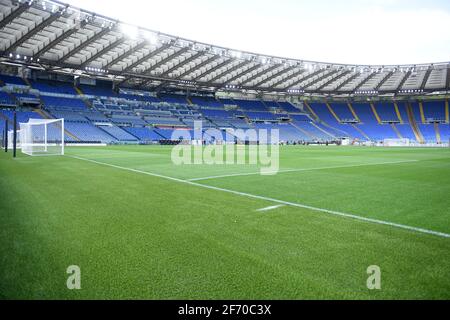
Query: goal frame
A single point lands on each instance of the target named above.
(29, 146)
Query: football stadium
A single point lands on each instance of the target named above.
(137, 164)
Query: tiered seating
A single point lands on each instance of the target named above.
(144, 133)
(128, 120)
(55, 102)
(22, 116)
(54, 87)
(11, 80)
(6, 100)
(386, 111)
(250, 105)
(287, 132)
(87, 132)
(444, 129)
(343, 129)
(68, 116)
(169, 134)
(314, 131)
(97, 91)
(163, 121)
(300, 118)
(125, 116)
(406, 131)
(434, 110)
(428, 132)
(261, 116)
(119, 133)
(343, 111)
(370, 125)
(286, 106)
(174, 99)
(207, 102)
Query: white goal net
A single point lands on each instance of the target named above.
(42, 137)
(396, 142)
(11, 140)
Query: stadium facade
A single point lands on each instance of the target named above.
(116, 83)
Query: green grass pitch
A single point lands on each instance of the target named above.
(140, 236)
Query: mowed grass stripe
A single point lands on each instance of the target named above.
(332, 212)
(303, 170)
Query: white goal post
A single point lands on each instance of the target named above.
(42, 137)
(397, 142)
(11, 139)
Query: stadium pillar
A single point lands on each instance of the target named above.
(6, 135)
(15, 135)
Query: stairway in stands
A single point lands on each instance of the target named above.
(310, 111)
(394, 127)
(397, 111)
(413, 123)
(46, 115)
(353, 112)
(333, 113)
(447, 116)
(375, 113)
(86, 101)
(362, 132)
(306, 133)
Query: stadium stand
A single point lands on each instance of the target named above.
(97, 114)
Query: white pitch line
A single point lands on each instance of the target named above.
(270, 208)
(301, 170)
(287, 203)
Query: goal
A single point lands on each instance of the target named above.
(42, 137)
(11, 140)
(396, 142)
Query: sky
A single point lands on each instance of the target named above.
(376, 32)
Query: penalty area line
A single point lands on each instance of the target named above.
(302, 170)
(280, 202)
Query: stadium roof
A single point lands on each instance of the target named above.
(54, 36)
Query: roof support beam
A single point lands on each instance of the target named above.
(400, 86)
(364, 81)
(236, 67)
(343, 84)
(103, 51)
(274, 76)
(67, 33)
(240, 74)
(259, 74)
(85, 44)
(283, 80)
(447, 85)
(303, 79)
(213, 69)
(201, 65)
(324, 76)
(38, 28)
(386, 78)
(333, 79)
(147, 57)
(15, 14)
(182, 64)
(162, 62)
(126, 54)
(167, 59)
(425, 79)
(185, 62)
